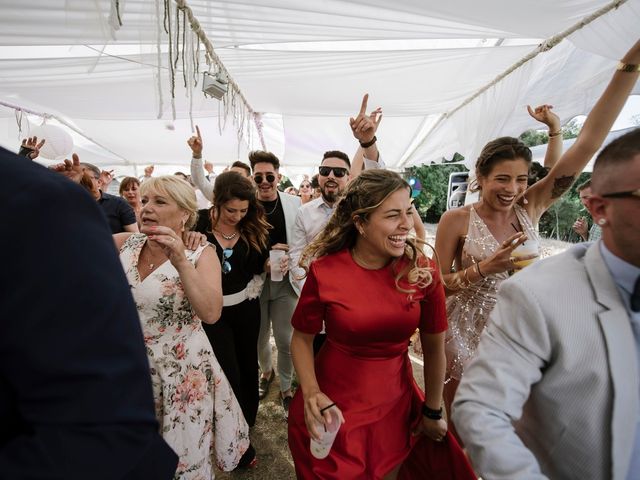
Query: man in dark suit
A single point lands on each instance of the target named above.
(75, 389)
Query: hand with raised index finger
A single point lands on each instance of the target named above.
(195, 143)
(364, 126)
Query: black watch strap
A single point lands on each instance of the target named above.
(431, 413)
(369, 143)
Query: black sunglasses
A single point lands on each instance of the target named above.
(630, 193)
(226, 266)
(339, 172)
(258, 178)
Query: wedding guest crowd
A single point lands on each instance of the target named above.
(534, 367)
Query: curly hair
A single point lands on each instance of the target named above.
(363, 196)
(496, 151)
(254, 226)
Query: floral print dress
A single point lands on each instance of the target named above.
(198, 413)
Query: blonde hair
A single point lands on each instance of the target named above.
(363, 196)
(178, 190)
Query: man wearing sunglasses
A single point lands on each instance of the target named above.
(278, 299)
(565, 339)
(333, 176)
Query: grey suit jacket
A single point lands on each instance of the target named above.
(553, 389)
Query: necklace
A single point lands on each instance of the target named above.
(362, 262)
(274, 207)
(227, 237)
(150, 265)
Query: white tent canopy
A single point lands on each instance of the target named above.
(304, 67)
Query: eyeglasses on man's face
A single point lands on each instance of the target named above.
(628, 193)
(258, 178)
(226, 254)
(338, 172)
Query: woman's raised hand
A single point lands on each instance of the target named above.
(543, 114)
(195, 143)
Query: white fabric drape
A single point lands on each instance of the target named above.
(307, 90)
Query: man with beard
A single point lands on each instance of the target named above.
(314, 215)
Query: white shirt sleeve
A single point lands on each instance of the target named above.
(372, 164)
(198, 178)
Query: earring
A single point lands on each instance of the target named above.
(525, 201)
(602, 222)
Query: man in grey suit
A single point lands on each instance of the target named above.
(553, 391)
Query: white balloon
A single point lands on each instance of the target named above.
(58, 143)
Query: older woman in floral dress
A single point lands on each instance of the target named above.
(176, 289)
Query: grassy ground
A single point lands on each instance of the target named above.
(269, 437)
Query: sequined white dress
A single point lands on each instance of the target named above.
(469, 308)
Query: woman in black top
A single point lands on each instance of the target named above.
(239, 232)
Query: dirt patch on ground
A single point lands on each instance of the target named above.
(269, 437)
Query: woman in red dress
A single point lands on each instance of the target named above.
(372, 287)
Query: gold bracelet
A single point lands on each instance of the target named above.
(628, 67)
(479, 272)
(465, 276)
(554, 134)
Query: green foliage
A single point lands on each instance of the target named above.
(557, 222)
(432, 201)
(531, 138)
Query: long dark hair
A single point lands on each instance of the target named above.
(254, 226)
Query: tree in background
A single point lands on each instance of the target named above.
(558, 220)
(432, 201)
(533, 138)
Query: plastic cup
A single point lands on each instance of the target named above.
(275, 256)
(320, 448)
(527, 249)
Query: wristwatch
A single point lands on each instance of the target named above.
(431, 413)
